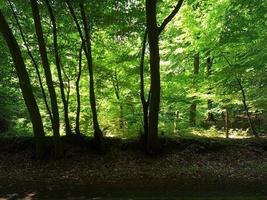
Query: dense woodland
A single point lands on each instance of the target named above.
(132, 69)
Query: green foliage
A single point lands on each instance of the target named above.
(232, 33)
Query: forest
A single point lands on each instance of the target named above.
(134, 80)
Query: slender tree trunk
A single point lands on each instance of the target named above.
(193, 107)
(116, 87)
(98, 135)
(192, 114)
(211, 117)
(145, 103)
(244, 100)
(77, 84)
(226, 123)
(68, 91)
(58, 63)
(33, 61)
(48, 75)
(153, 41)
(25, 86)
(175, 122)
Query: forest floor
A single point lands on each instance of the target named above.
(185, 167)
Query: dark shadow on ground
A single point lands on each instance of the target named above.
(188, 190)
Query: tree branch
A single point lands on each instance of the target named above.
(171, 16)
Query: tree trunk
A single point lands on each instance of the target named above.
(25, 86)
(98, 135)
(193, 107)
(58, 63)
(77, 84)
(175, 122)
(211, 117)
(226, 123)
(33, 61)
(153, 32)
(153, 41)
(244, 100)
(48, 75)
(116, 87)
(145, 103)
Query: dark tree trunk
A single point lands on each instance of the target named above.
(121, 120)
(77, 84)
(226, 123)
(244, 100)
(175, 122)
(145, 103)
(58, 63)
(153, 32)
(33, 61)
(211, 117)
(48, 75)
(68, 90)
(192, 114)
(153, 40)
(193, 107)
(116, 87)
(98, 135)
(25, 86)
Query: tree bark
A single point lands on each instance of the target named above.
(209, 63)
(226, 123)
(153, 41)
(77, 84)
(175, 122)
(193, 107)
(145, 103)
(153, 32)
(48, 75)
(116, 87)
(25, 86)
(58, 63)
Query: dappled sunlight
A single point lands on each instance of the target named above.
(214, 133)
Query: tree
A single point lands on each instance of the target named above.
(58, 63)
(193, 107)
(25, 86)
(98, 135)
(35, 64)
(78, 96)
(145, 103)
(48, 76)
(116, 86)
(209, 62)
(153, 32)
